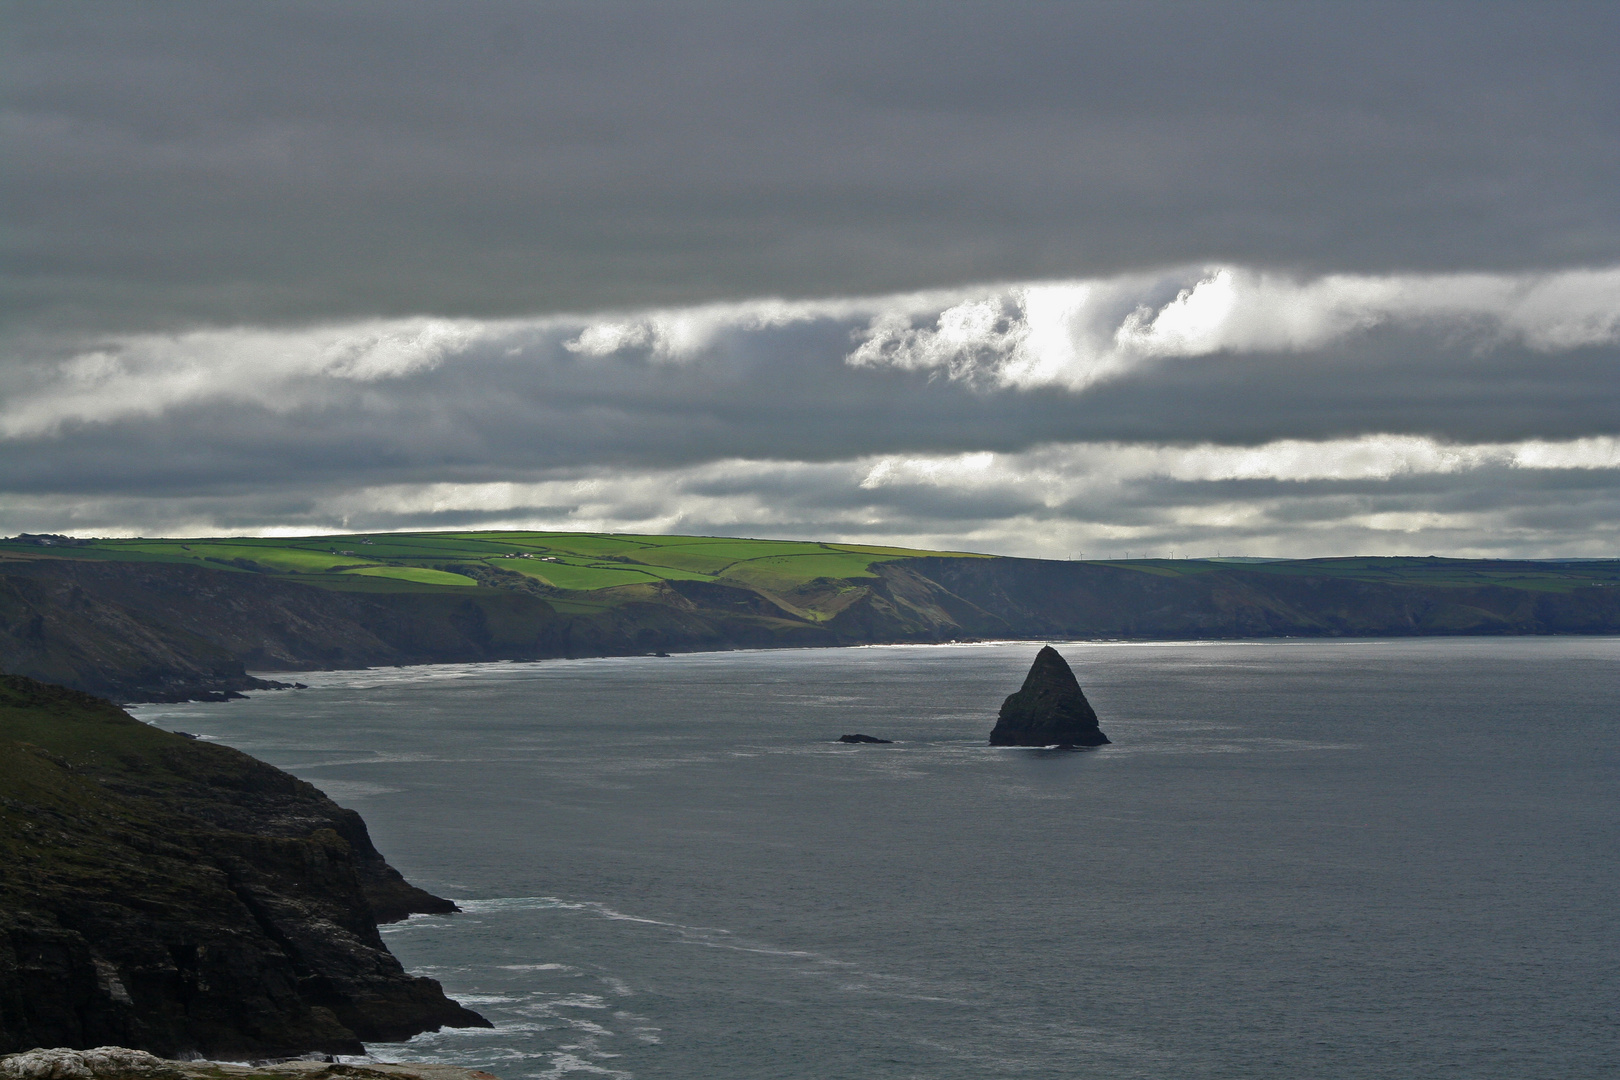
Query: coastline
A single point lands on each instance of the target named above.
(168, 632)
(122, 1063)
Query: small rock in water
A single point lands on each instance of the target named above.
(1049, 710)
(862, 738)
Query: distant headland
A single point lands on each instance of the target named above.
(178, 619)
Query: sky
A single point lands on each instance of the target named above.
(1045, 279)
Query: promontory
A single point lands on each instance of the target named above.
(176, 896)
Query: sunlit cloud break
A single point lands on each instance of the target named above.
(1368, 495)
(145, 374)
(1288, 415)
(1062, 471)
(1073, 334)
(1069, 335)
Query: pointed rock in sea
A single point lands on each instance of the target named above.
(1049, 710)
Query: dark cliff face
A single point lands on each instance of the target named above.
(165, 632)
(160, 632)
(181, 897)
(1048, 710)
(1041, 598)
(142, 631)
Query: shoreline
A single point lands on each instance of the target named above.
(153, 632)
(122, 1063)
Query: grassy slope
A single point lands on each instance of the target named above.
(570, 562)
(601, 563)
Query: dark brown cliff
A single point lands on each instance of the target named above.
(179, 897)
(154, 631)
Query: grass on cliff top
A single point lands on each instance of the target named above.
(76, 769)
(583, 563)
(95, 738)
(575, 562)
(58, 750)
(80, 729)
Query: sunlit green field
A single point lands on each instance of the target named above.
(578, 562)
(583, 563)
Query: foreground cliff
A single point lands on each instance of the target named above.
(178, 897)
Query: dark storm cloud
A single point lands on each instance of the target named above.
(226, 162)
(1301, 279)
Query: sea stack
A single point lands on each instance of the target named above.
(1048, 710)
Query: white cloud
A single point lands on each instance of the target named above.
(677, 334)
(822, 418)
(1231, 309)
(963, 336)
(1068, 335)
(1298, 497)
(393, 351)
(1248, 311)
(1060, 473)
(1059, 334)
(1054, 333)
(1570, 310)
(1102, 498)
(146, 374)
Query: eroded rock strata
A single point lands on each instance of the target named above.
(181, 897)
(122, 1063)
(1048, 710)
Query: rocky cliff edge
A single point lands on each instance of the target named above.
(122, 1063)
(183, 898)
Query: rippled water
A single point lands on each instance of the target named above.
(1298, 859)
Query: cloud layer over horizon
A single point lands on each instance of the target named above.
(1207, 410)
(1030, 278)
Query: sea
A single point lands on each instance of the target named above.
(1296, 859)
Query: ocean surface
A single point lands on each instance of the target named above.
(1298, 859)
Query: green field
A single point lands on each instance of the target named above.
(587, 568)
(570, 562)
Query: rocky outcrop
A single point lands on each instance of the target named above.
(100, 1063)
(1048, 710)
(122, 1063)
(181, 897)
